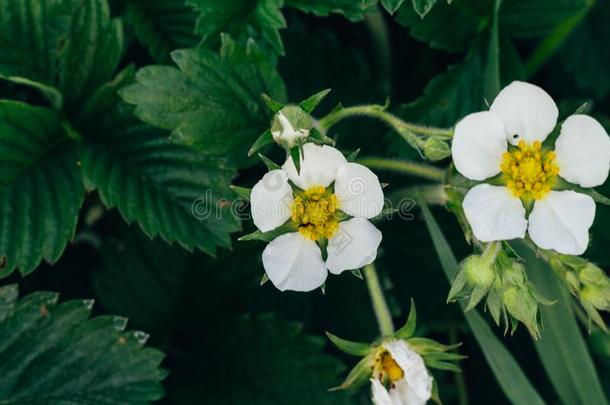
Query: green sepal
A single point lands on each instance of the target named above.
(352, 156)
(424, 346)
(386, 212)
(269, 236)
(295, 154)
(309, 104)
(271, 165)
(243, 192)
(597, 197)
(264, 279)
(358, 375)
(323, 289)
(357, 273)
(318, 137)
(408, 330)
(265, 139)
(435, 395)
(347, 346)
(273, 105)
(584, 108)
(436, 149)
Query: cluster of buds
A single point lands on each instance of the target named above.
(503, 280)
(397, 366)
(587, 282)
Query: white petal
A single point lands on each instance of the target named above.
(404, 394)
(561, 222)
(294, 262)
(354, 245)
(271, 200)
(494, 213)
(478, 144)
(319, 166)
(583, 151)
(416, 376)
(358, 191)
(528, 112)
(380, 395)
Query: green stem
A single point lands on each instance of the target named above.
(460, 380)
(404, 167)
(380, 307)
(406, 129)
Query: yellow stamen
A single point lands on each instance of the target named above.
(315, 213)
(529, 171)
(386, 368)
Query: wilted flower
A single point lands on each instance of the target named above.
(313, 207)
(400, 376)
(527, 171)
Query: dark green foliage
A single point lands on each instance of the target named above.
(56, 354)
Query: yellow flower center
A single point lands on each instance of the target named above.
(530, 172)
(315, 213)
(387, 368)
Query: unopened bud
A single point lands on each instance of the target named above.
(436, 149)
(597, 297)
(593, 275)
(479, 271)
(522, 305)
(290, 125)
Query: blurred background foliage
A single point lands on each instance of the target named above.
(229, 340)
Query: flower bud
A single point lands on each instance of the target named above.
(436, 149)
(598, 297)
(479, 271)
(523, 306)
(290, 125)
(593, 275)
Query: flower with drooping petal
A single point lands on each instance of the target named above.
(506, 147)
(315, 205)
(400, 376)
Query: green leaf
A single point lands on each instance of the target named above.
(392, 5)
(260, 20)
(141, 278)
(587, 65)
(451, 95)
(347, 346)
(526, 18)
(439, 28)
(262, 360)
(422, 7)
(269, 236)
(41, 190)
(561, 348)
(512, 380)
(309, 104)
(170, 190)
(492, 85)
(352, 9)
(55, 354)
(51, 93)
(162, 25)
(211, 102)
(72, 44)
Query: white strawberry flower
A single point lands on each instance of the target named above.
(400, 376)
(323, 195)
(506, 143)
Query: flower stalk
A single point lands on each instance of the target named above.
(406, 129)
(404, 167)
(380, 306)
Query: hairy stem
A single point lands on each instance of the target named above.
(404, 167)
(380, 307)
(406, 129)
